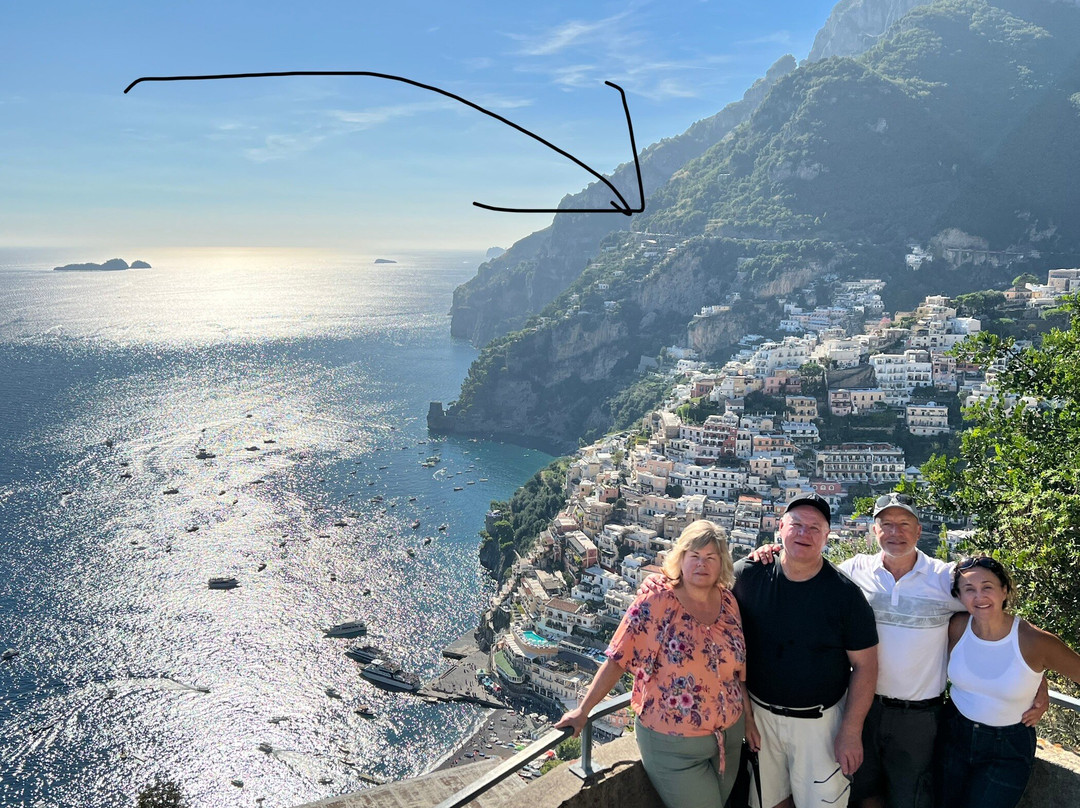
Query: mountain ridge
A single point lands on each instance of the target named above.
(843, 164)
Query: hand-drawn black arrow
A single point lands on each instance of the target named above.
(622, 206)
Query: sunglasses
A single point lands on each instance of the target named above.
(893, 499)
(986, 562)
(843, 791)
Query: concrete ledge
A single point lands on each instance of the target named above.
(1055, 781)
(623, 785)
(429, 789)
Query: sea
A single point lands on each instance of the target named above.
(302, 378)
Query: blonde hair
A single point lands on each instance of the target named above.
(696, 535)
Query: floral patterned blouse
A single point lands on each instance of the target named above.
(686, 673)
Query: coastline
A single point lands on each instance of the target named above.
(500, 730)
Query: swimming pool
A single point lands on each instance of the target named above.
(535, 639)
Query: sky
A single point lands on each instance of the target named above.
(350, 162)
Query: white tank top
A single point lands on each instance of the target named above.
(991, 682)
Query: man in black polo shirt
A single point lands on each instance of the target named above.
(811, 640)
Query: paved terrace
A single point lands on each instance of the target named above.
(1055, 782)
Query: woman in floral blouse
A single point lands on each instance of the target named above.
(684, 646)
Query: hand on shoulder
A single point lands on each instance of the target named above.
(654, 584)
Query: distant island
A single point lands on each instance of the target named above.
(385, 261)
(112, 265)
(494, 252)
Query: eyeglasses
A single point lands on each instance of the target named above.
(986, 562)
(893, 499)
(843, 791)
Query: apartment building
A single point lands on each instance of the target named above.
(927, 419)
(870, 463)
(899, 374)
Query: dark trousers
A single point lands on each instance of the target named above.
(983, 766)
(898, 755)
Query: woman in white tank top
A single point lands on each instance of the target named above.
(996, 663)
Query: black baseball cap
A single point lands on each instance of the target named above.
(814, 501)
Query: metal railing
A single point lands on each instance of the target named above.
(583, 768)
(1061, 700)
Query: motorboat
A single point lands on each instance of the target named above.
(388, 674)
(350, 628)
(223, 582)
(364, 711)
(364, 653)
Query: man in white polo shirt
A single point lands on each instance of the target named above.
(909, 593)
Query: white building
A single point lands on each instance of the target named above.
(899, 374)
(927, 419)
(870, 463)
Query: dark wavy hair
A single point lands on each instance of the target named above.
(989, 564)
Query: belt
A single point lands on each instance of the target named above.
(791, 712)
(901, 704)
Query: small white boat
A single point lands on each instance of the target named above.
(350, 628)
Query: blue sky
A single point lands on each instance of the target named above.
(349, 163)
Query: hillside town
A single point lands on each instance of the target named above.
(707, 453)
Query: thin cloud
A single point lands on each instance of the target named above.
(359, 120)
(622, 48)
(279, 147)
(478, 62)
(574, 33)
(775, 38)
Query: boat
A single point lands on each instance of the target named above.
(350, 628)
(365, 654)
(388, 674)
(223, 582)
(458, 488)
(364, 711)
(443, 526)
(410, 552)
(415, 524)
(265, 747)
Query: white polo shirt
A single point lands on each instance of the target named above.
(912, 621)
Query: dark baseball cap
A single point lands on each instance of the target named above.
(814, 501)
(895, 500)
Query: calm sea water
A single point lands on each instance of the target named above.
(307, 375)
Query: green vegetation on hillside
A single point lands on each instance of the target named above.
(1017, 473)
(529, 511)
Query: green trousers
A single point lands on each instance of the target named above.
(685, 770)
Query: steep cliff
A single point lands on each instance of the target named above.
(855, 26)
(555, 381)
(528, 276)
